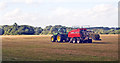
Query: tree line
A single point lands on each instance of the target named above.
(30, 30)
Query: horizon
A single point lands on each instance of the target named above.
(41, 13)
(65, 26)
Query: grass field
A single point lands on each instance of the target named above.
(40, 48)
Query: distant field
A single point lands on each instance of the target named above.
(40, 48)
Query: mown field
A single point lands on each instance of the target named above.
(40, 48)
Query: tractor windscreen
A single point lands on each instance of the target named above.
(62, 30)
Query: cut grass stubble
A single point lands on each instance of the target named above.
(40, 48)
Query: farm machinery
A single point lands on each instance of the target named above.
(80, 35)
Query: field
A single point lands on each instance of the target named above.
(40, 48)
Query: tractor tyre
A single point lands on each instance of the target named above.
(95, 36)
(67, 39)
(85, 41)
(53, 39)
(74, 40)
(90, 41)
(59, 38)
(79, 40)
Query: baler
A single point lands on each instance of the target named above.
(80, 35)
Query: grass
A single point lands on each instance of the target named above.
(40, 48)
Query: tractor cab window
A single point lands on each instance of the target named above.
(62, 30)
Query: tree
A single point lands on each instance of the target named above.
(38, 30)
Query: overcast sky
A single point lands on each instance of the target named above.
(59, 12)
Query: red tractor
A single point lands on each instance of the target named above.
(80, 35)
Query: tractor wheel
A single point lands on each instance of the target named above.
(67, 39)
(89, 40)
(53, 39)
(59, 38)
(85, 41)
(95, 36)
(79, 40)
(74, 40)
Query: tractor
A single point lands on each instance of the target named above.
(60, 35)
(80, 35)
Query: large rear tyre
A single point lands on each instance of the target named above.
(85, 41)
(79, 40)
(90, 41)
(59, 38)
(52, 39)
(74, 40)
(95, 36)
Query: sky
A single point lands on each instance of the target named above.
(41, 13)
